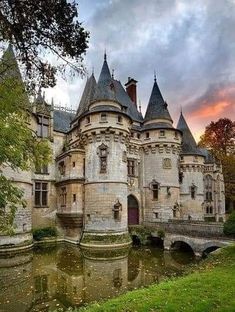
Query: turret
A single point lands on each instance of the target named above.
(104, 126)
(161, 146)
(191, 174)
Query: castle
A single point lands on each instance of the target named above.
(113, 168)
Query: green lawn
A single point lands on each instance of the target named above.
(210, 288)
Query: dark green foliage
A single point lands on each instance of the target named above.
(34, 27)
(209, 219)
(39, 234)
(229, 225)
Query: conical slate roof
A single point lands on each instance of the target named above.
(189, 145)
(88, 95)
(105, 87)
(157, 107)
(9, 66)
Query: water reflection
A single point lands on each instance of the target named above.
(48, 278)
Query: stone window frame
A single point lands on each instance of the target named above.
(63, 196)
(103, 117)
(62, 168)
(88, 120)
(41, 169)
(120, 119)
(193, 191)
(41, 194)
(209, 209)
(103, 155)
(131, 167)
(155, 188)
(117, 208)
(43, 130)
(208, 187)
(162, 133)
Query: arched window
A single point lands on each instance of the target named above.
(193, 191)
(208, 183)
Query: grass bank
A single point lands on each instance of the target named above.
(210, 288)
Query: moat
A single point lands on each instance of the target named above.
(63, 276)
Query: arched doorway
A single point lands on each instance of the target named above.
(133, 210)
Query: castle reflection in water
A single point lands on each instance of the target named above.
(48, 278)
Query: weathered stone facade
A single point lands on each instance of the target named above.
(112, 167)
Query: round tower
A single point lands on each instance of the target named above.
(105, 131)
(161, 147)
(191, 175)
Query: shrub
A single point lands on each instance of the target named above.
(209, 219)
(40, 233)
(161, 233)
(229, 225)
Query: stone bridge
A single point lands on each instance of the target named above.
(199, 236)
(199, 245)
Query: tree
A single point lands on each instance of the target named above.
(229, 225)
(219, 138)
(19, 146)
(42, 26)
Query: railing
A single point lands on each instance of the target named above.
(191, 228)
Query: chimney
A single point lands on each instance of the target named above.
(131, 89)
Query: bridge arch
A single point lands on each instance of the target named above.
(183, 245)
(210, 247)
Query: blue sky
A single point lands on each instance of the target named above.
(190, 44)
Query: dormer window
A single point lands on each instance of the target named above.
(119, 119)
(162, 133)
(88, 120)
(103, 117)
(43, 126)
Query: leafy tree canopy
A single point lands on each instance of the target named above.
(36, 27)
(219, 138)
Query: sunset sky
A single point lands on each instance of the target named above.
(190, 44)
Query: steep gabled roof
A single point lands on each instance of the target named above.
(157, 107)
(189, 145)
(62, 120)
(88, 95)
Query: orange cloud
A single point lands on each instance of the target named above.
(211, 109)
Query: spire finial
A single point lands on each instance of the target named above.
(140, 106)
(155, 78)
(105, 55)
(92, 70)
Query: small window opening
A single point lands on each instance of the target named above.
(193, 191)
(155, 189)
(119, 119)
(103, 117)
(162, 133)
